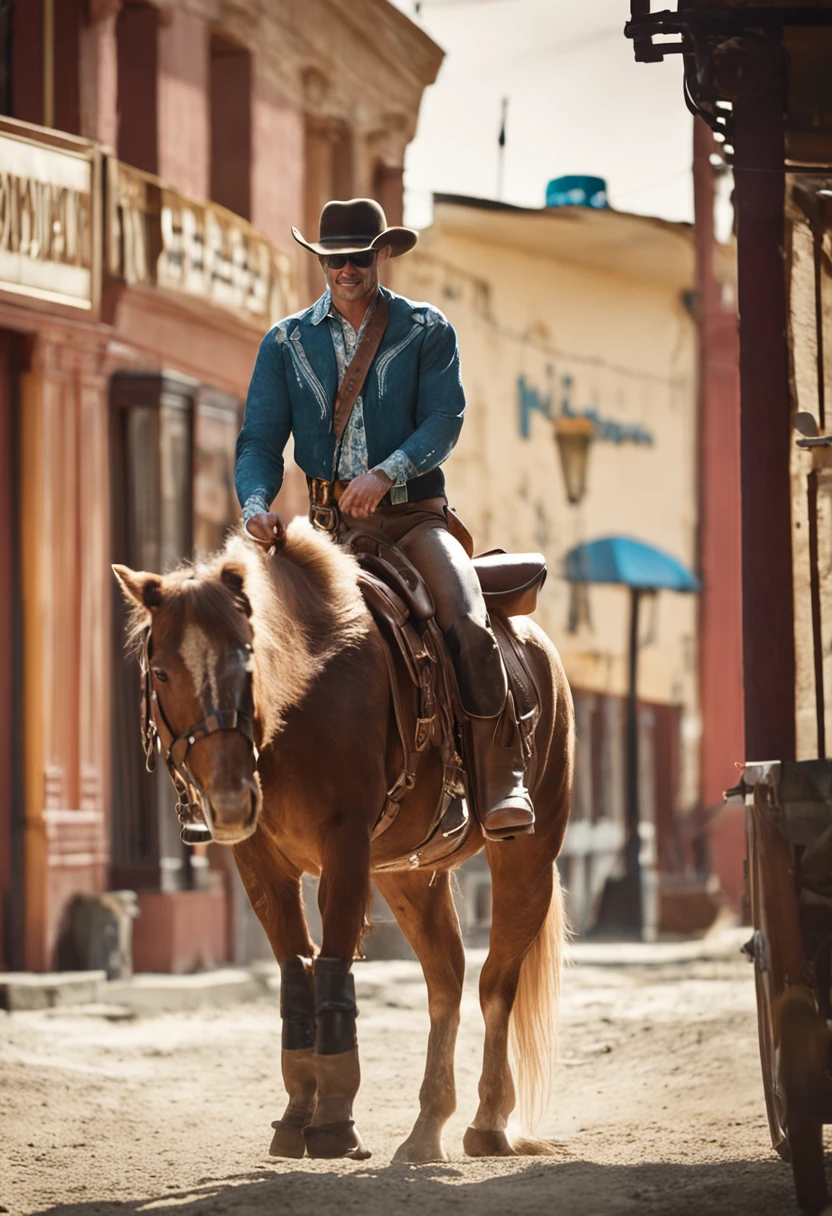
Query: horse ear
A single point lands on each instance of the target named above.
(233, 578)
(142, 588)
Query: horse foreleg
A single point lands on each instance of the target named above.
(343, 897)
(275, 894)
(428, 919)
(522, 888)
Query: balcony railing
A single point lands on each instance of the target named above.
(52, 236)
(159, 237)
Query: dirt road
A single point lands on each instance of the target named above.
(658, 1104)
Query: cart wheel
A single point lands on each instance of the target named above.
(777, 949)
(803, 1055)
(765, 1032)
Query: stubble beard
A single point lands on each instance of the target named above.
(352, 295)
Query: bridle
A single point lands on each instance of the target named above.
(158, 735)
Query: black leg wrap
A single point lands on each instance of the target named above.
(480, 674)
(297, 1005)
(335, 1009)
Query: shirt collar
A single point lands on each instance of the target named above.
(322, 308)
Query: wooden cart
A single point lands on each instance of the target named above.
(789, 860)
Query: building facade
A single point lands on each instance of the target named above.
(588, 314)
(153, 158)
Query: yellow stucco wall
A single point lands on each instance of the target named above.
(627, 344)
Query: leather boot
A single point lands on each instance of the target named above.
(503, 804)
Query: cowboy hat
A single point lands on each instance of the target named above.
(352, 227)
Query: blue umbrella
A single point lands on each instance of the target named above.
(641, 567)
(620, 559)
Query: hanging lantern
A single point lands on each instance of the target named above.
(573, 437)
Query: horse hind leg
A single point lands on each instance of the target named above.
(428, 919)
(524, 955)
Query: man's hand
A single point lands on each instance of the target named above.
(266, 530)
(364, 493)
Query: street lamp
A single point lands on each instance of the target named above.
(573, 437)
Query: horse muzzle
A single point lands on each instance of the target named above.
(232, 814)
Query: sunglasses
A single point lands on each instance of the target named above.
(362, 260)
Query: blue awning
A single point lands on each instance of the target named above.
(632, 563)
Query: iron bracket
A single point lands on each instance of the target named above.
(729, 54)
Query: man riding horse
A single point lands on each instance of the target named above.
(369, 385)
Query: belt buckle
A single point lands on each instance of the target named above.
(398, 495)
(324, 518)
(323, 511)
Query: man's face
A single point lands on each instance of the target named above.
(352, 283)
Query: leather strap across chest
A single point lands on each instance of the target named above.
(360, 363)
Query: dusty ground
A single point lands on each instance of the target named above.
(658, 1105)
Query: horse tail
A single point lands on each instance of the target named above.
(533, 1027)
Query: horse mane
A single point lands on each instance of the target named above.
(304, 602)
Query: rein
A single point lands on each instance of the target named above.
(157, 734)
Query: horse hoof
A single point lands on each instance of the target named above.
(416, 1152)
(287, 1140)
(477, 1143)
(335, 1140)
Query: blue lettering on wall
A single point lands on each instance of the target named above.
(530, 401)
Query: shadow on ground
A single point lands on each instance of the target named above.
(574, 1188)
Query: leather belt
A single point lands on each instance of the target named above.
(325, 495)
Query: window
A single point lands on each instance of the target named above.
(230, 100)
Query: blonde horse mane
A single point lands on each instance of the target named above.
(305, 608)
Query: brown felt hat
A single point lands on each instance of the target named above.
(354, 226)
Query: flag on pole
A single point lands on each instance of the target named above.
(501, 145)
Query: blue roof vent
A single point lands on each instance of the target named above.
(577, 190)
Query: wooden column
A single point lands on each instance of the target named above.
(32, 524)
(8, 689)
(63, 550)
(766, 435)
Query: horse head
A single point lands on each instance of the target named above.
(195, 632)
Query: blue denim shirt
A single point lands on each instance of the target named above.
(413, 400)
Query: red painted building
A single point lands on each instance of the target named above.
(144, 249)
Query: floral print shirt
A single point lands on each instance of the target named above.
(352, 460)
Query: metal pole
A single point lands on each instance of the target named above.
(633, 910)
(768, 613)
(817, 617)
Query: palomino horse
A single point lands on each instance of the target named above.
(279, 656)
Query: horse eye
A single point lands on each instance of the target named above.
(160, 675)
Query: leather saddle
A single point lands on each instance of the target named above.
(422, 680)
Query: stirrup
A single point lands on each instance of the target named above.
(509, 831)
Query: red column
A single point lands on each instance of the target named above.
(720, 551)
